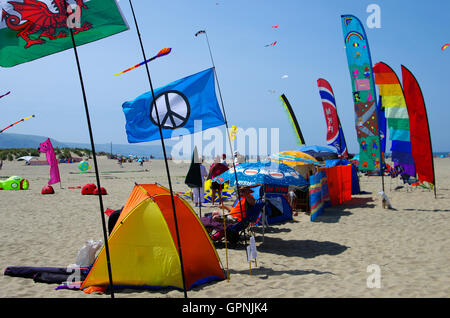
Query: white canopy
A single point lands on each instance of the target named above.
(26, 158)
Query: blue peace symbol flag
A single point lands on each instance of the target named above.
(179, 105)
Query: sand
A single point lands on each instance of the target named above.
(332, 257)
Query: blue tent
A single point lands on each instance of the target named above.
(342, 162)
(278, 209)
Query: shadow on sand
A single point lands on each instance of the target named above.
(264, 272)
(333, 214)
(427, 210)
(300, 248)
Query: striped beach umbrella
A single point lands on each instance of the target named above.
(295, 158)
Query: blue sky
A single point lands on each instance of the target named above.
(310, 45)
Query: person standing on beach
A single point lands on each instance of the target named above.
(195, 178)
(224, 159)
(216, 169)
(199, 193)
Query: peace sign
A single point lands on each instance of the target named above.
(173, 110)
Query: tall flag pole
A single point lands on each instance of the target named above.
(396, 113)
(364, 95)
(293, 119)
(421, 147)
(226, 122)
(335, 135)
(382, 125)
(97, 175)
(164, 150)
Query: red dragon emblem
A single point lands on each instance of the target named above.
(35, 16)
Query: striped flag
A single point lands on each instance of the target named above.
(335, 135)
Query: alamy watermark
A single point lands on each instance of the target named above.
(253, 143)
(74, 18)
(374, 19)
(374, 279)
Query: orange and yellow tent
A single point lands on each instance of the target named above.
(143, 245)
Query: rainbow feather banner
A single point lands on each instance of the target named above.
(161, 53)
(393, 101)
(364, 94)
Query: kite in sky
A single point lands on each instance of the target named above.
(19, 121)
(200, 32)
(271, 44)
(4, 95)
(163, 52)
(445, 46)
(275, 26)
(233, 132)
(284, 76)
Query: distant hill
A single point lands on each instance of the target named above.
(33, 141)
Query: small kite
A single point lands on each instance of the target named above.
(200, 32)
(275, 26)
(233, 132)
(163, 52)
(271, 44)
(445, 46)
(4, 95)
(19, 121)
(284, 76)
(271, 91)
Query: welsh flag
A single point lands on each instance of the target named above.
(31, 29)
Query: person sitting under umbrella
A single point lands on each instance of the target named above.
(247, 201)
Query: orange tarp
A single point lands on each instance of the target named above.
(339, 181)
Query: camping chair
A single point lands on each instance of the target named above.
(408, 180)
(393, 173)
(215, 228)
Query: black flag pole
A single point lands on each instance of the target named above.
(226, 122)
(382, 159)
(164, 150)
(105, 235)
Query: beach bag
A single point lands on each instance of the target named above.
(102, 190)
(48, 189)
(88, 189)
(86, 255)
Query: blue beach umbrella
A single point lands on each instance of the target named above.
(271, 173)
(320, 152)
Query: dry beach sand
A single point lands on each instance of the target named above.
(326, 258)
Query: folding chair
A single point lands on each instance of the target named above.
(236, 231)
